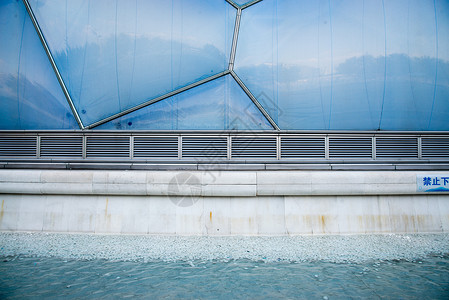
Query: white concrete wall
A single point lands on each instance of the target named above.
(219, 202)
(210, 183)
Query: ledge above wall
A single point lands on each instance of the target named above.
(197, 183)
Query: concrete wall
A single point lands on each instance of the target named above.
(220, 202)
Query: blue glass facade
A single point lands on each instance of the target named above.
(168, 65)
(216, 105)
(345, 65)
(30, 96)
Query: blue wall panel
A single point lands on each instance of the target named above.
(348, 65)
(30, 95)
(217, 105)
(114, 55)
(313, 65)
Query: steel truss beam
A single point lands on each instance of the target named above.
(255, 101)
(53, 64)
(165, 96)
(157, 99)
(236, 6)
(235, 39)
(250, 3)
(232, 60)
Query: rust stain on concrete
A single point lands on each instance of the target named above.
(306, 219)
(107, 216)
(413, 221)
(323, 221)
(422, 219)
(360, 221)
(405, 222)
(372, 223)
(210, 216)
(425, 222)
(106, 209)
(2, 211)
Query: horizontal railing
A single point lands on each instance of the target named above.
(224, 146)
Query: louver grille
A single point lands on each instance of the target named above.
(396, 147)
(350, 148)
(254, 147)
(18, 146)
(435, 147)
(204, 147)
(107, 146)
(157, 147)
(302, 147)
(62, 146)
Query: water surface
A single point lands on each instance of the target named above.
(46, 277)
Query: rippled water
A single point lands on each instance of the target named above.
(25, 277)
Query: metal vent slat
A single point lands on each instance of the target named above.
(396, 147)
(62, 146)
(18, 145)
(292, 147)
(157, 147)
(35, 145)
(254, 147)
(204, 147)
(435, 147)
(350, 147)
(113, 146)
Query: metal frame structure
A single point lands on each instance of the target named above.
(160, 98)
(230, 71)
(254, 100)
(248, 4)
(325, 135)
(53, 63)
(235, 39)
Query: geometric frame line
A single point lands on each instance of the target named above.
(157, 99)
(254, 100)
(53, 63)
(232, 60)
(237, 6)
(229, 71)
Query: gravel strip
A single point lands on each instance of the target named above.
(331, 248)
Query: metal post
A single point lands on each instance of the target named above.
(84, 146)
(230, 147)
(179, 147)
(419, 147)
(38, 146)
(131, 147)
(278, 147)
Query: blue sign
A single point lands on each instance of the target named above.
(432, 183)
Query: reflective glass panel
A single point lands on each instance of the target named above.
(348, 65)
(30, 95)
(114, 55)
(217, 105)
(241, 2)
(410, 64)
(439, 114)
